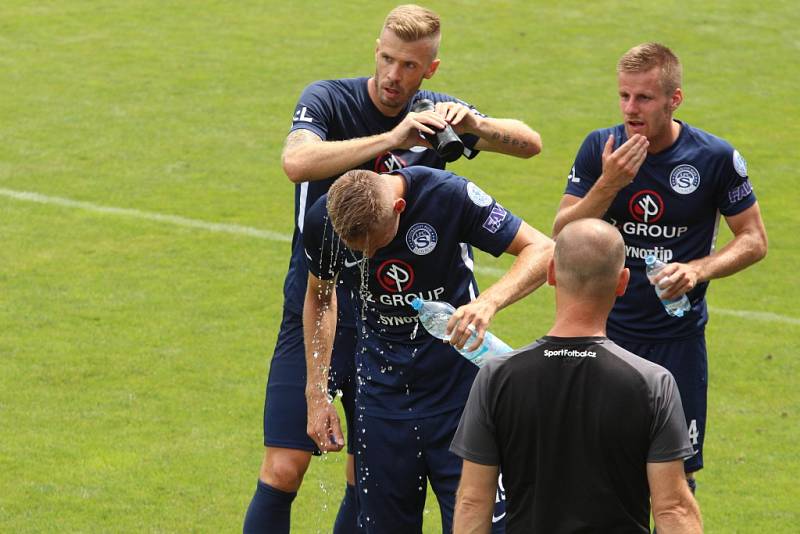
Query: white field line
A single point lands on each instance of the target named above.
(146, 215)
(277, 236)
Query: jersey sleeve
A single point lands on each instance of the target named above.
(474, 439)
(322, 246)
(485, 224)
(669, 438)
(735, 193)
(587, 168)
(314, 110)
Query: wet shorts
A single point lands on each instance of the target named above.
(285, 402)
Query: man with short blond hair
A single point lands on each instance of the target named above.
(664, 184)
(404, 236)
(586, 433)
(339, 125)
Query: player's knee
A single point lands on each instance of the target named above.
(284, 469)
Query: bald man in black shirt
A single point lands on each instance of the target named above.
(586, 434)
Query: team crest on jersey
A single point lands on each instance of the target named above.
(421, 239)
(395, 276)
(684, 179)
(477, 195)
(389, 162)
(739, 164)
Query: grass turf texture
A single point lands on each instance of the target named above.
(133, 353)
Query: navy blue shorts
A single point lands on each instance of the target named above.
(285, 402)
(395, 460)
(687, 360)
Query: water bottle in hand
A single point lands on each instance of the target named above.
(434, 316)
(676, 307)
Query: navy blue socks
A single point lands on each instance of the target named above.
(269, 512)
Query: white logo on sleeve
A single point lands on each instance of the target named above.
(477, 195)
(301, 115)
(684, 179)
(573, 177)
(739, 164)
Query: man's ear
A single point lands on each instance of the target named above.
(551, 273)
(676, 99)
(622, 283)
(432, 69)
(399, 205)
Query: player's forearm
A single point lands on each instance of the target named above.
(593, 205)
(508, 136)
(742, 251)
(528, 272)
(318, 160)
(319, 330)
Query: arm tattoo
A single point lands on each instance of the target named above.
(300, 137)
(506, 139)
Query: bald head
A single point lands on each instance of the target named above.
(589, 257)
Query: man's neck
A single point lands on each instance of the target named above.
(666, 140)
(579, 319)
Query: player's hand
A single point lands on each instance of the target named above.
(459, 116)
(676, 279)
(468, 319)
(323, 425)
(621, 165)
(407, 133)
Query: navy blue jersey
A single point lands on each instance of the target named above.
(338, 110)
(671, 209)
(403, 371)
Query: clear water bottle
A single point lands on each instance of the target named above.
(434, 316)
(675, 308)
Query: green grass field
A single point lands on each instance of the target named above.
(134, 348)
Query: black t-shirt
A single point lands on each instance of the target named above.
(573, 422)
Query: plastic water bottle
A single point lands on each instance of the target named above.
(675, 308)
(434, 316)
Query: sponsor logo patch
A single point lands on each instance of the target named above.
(495, 219)
(395, 276)
(684, 179)
(646, 206)
(421, 239)
(739, 164)
(477, 195)
(739, 192)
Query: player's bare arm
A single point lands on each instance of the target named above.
(674, 507)
(748, 246)
(475, 498)
(319, 329)
(619, 169)
(533, 251)
(306, 157)
(507, 136)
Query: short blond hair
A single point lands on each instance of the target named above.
(411, 22)
(647, 56)
(356, 204)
